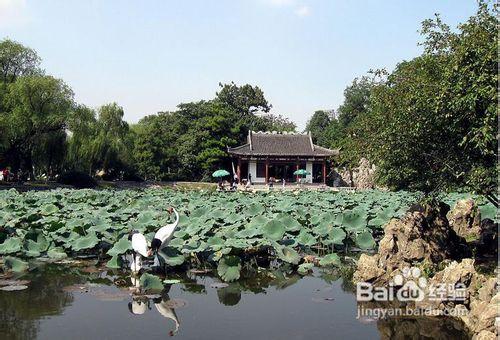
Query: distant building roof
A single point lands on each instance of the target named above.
(281, 144)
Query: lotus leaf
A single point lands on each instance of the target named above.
(290, 223)
(365, 240)
(273, 230)
(288, 254)
(176, 243)
(199, 212)
(330, 260)
(172, 256)
(255, 209)
(236, 243)
(114, 262)
(215, 243)
(14, 264)
(336, 236)
(10, 245)
(56, 253)
(306, 239)
(353, 220)
(489, 211)
(49, 209)
(322, 228)
(120, 247)
(86, 242)
(305, 268)
(229, 268)
(151, 283)
(39, 246)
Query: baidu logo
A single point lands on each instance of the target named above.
(406, 285)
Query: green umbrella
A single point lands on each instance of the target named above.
(220, 173)
(301, 172)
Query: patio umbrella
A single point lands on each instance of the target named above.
(301, 172)
(220, 173)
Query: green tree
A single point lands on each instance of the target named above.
(210, 130)
(244, 100)
(270, 122)
(100, 142)
(432, 124)
(111, 144)
(338, 133)
(156, 146)
(356, 100)
(35, 106)
(82, 130)
(17, 60)
(318, 125)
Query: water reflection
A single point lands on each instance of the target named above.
(20, 311)
(164, 306)
(230, 295)
(270, 304)
(421, 328)
(139, 305)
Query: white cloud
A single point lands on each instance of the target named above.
(303, 11)
(13, 13)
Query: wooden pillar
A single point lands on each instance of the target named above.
(267, 170)
(238, 170)
(324, 171)
(297, 167)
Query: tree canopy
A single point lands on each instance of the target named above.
(431, 123)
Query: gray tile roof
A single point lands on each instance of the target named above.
(281, 144)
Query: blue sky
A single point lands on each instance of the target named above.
(150, 56)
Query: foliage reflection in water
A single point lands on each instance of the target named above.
(82, 302)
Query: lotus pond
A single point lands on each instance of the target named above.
(230, 232)
(266, 265)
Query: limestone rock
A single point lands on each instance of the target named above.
(488, 291)
(422, 235)
(484, 335)
(424, 238)
(364, 175)
(361, 177)
(455, 273)
(368, 269)
(465, 218)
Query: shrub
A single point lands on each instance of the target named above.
(77, 179)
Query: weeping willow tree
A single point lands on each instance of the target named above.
(100, 142)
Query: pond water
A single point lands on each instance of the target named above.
(68, 302)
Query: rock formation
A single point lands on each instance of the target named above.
(465, 219)
(362, 177)
(420, 236)
(481, 304)
(425, 239)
